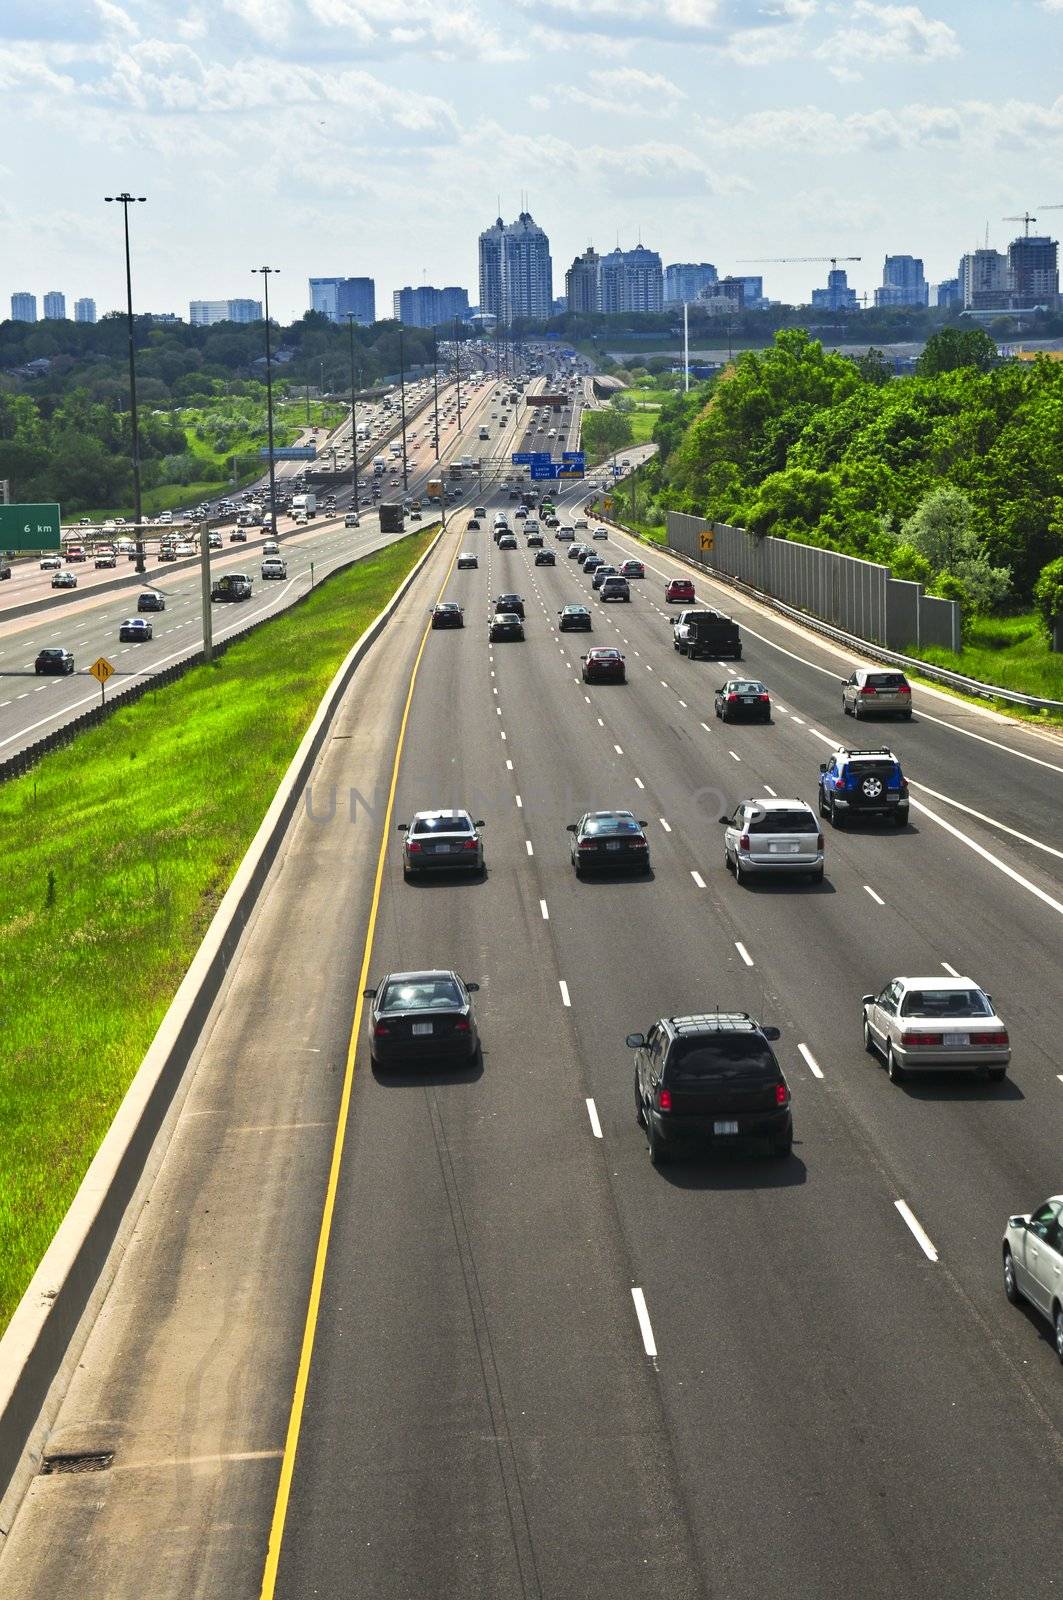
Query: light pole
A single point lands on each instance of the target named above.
(126, 200)
(266, 273)
(435, 386)
(402, 403)
(354, 419)
(457, 369)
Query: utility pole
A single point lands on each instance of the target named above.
(402, 402)
(457, 368)
(125, 200)
(354, 418)
(204, 577)
(435, 387)
(266, 273)
(686, 350)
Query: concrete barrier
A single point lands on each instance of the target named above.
(35, 1343)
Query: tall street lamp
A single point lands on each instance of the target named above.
(354, 417)
(457, 368)
(435, 388)
(125, 201)
(266, 273)
(402, 403)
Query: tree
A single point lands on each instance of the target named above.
(942, 530)
(950, 348)
(1048, 595)
(874, 367)
(604, 432)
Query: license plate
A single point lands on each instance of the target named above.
(725, 1127)
(783, 849)
(421, 1027)
(748, 700)
(954, 1041)
(613, 844)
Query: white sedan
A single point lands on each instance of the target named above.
(935, 1024)
(1033, 1262)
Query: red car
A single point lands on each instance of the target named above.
(604, 666)
(679, 589)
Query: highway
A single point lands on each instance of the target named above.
(538, 1366)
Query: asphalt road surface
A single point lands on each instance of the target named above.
(539, 1367)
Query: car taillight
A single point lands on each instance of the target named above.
(639, 844)
(763, 697)
(782, 1094)
(990, 1038)
(869, 688)
(910, 1039)
(587, 844)
(664, 1099)
(380, 1029)
(904, 786)
(412, 846)
(461, 1025)
(743, 843)
(731, 698)
(470, 844)
(904, 688)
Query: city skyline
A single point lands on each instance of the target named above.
(861, 129)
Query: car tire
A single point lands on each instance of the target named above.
(894, 1070)
(1057, 1323)
(659, 1155)
(739, 876)
(845, 707)
(869, 1041)
(837, 820)
(640, 1113)
(1012, 1292)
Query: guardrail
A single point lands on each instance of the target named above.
(893, 658)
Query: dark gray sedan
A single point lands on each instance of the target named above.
(441, 841)
(420, 1018)
(609, 841)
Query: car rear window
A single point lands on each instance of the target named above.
(611, 825)
(887, 680)
(783, 822)
(459, 824)
(427, 994)
(945, 1003)
(722, 1055)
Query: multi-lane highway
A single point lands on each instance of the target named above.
(534, 1366)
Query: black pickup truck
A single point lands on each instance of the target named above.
(706, 633)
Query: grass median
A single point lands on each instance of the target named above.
(116, 851)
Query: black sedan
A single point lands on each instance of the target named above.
(604, 666)
(545, 558)
(150, 601)
(238, 536)
(467, 560)
(506, 625)
(53, 658)
(419, 1018)
(609, 840)
(599, 575)
(743, 697)
(64, 580)
(136, 630)
(574, 619)
(448, 615)
(507, 542)
(473, 525)
(591, 562)
(510, 602)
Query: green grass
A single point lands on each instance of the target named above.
(642, 425)
(116, 852)
(1010, 651)
(168, 497)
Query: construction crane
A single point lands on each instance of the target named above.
(1026, 218)
(768, 261)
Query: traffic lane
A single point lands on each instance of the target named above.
(631, 964)
(189, 1369)
(824, 948)
(1001, 769)
(481, 1309)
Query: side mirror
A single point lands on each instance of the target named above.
(480, 823)
(402, 827)
(635, 1041)
(724, 819)
(867, 999)
(1017, 1222)
(473, 988)
(771, 1033)
(643, 823)
(570, 827)
(823, 766)
(368, 994)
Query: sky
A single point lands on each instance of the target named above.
(377, 137)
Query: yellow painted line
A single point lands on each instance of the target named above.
(302, 1376)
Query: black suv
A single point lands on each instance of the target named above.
(710, 1080)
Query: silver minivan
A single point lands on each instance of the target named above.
(871, 692)
(765, 835)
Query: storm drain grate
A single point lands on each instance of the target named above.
(78, 1461)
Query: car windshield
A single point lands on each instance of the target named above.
(722, 1055)
(420, 994)
(610, 824)
(945, 1003)
(459, 822)
(779, 821)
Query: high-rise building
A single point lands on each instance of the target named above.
(983, 276)
(337, 298)
(947, 293)
(837, 296)
(685, 280)
(55, 306)
(723, 297)
(427, 307)
(1033, 272)
(23, 308)
(581, 282)
(201, 313)
(631, 280)
(160, 316)
(560, 304)
(903, 283)
(84, 310)
(516, 272)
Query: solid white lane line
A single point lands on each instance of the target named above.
(877, 898)
(769, 790)
(810, 1061)
(980, 816)
(951, 970)
(592, 1112)
(698, 879)
(528, 847)
(743, 952)
(565, 1001)
(649, 1344)
(545, 912)
(919, 1234)
(987, 855)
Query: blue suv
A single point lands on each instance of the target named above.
(863, 783)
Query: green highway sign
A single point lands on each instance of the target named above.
(29, 527)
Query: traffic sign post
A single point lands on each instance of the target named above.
(30, 527)
(708, 538)
(101, 670)
(294, 452)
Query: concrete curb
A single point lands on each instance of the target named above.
(35, 1344)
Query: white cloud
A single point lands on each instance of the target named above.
(886, 33)
(627, 81)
